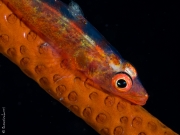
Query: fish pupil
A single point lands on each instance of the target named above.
(121, 83)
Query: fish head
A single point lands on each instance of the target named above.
(127, 85)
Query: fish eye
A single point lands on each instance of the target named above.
(122, 82)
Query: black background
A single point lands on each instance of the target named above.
(144, 32)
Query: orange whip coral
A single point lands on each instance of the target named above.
(106, 113)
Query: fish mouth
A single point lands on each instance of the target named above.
(139, 100)
(136, 100)
(135, 97)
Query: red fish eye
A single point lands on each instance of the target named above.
(122, 82)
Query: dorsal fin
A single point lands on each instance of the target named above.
(75, 9)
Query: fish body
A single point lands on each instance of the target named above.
(81, 47)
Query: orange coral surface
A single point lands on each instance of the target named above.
(107, 114)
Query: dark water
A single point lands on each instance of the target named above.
(145, 33)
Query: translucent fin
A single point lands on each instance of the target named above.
(75, 9)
